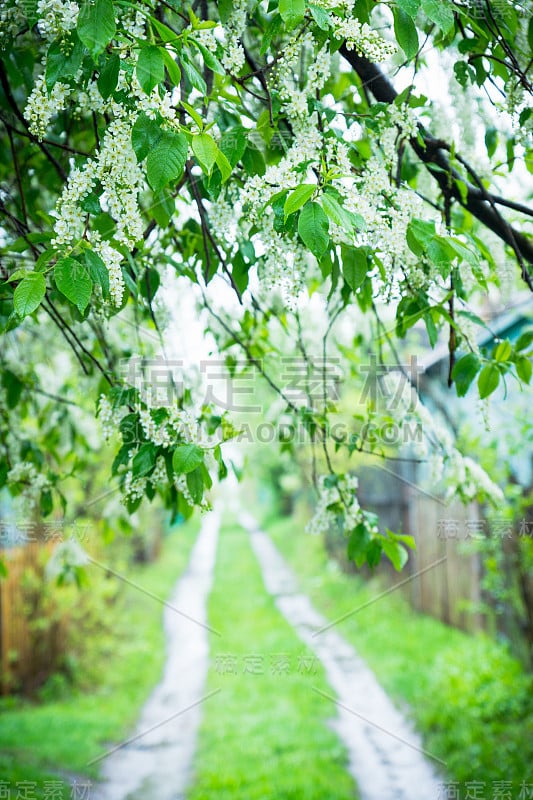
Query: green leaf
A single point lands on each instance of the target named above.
(225, 10)
(441, 254)
(98, 271)
(150, 283)
(193, 76)
(210, 60)
(406, 33)
(224, 166)
(524, 368)
(431, 328)
(18, 275)
(524, 341)
(440, 12)
(357, 543)
(195, 484)
(186, 458)
(396, 554)
(174, 72)
(166, 34)
(166, 160)
(313, 227)
(233, 145)
(29, 294)
(488, 380)
(253, 160)
(503, 350)
(91, 204)
(298, 198)
(59, 65)
(373, 553)
(205, 149)
(491, 141)
(320, 16)
(337, 213)
(96, 25)
(239, 271)
(528, 160)
(150, 68)
(108, 78)
(292, 12)
(145, 134)
(409, 6)
(464, 372)
(72, 279)
(144, 460)
(354, 266)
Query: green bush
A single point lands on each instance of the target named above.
(484, 697)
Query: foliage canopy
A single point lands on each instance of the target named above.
(260, 154)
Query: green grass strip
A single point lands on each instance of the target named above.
(265, 735)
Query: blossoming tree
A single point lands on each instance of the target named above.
(375, 154)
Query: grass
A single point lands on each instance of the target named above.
(471, 701)
(58, 737)
(265, 734)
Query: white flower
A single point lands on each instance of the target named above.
(112, 259)
(41, 106)
(107, 417)
(233, 58)
(159, 475)
(33, 483)
(342, 493)
(56, 18)
(362, 38)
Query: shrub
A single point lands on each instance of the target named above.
(482, 724)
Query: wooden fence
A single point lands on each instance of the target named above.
(444, 577)
(30, 637)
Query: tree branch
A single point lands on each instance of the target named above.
(478, 201)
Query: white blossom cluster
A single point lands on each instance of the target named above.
(362, 38)
(306, 146)
(134, 488)
(115, 167)
(347, 6)
(25, 474)
(69, 215)
(283, 266)
(108, 417)
(343, 495)
(112, 259)
(122, 179)
(159, 475)
(158, 434)
(298, 49)
(41, 106)
(224, 219)
(12, 18)
(156, 102)
(180, 482)
(385, 208)
(180, 425)
(233, 58)
(56, 18)
(461, 475)
(134, 23)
